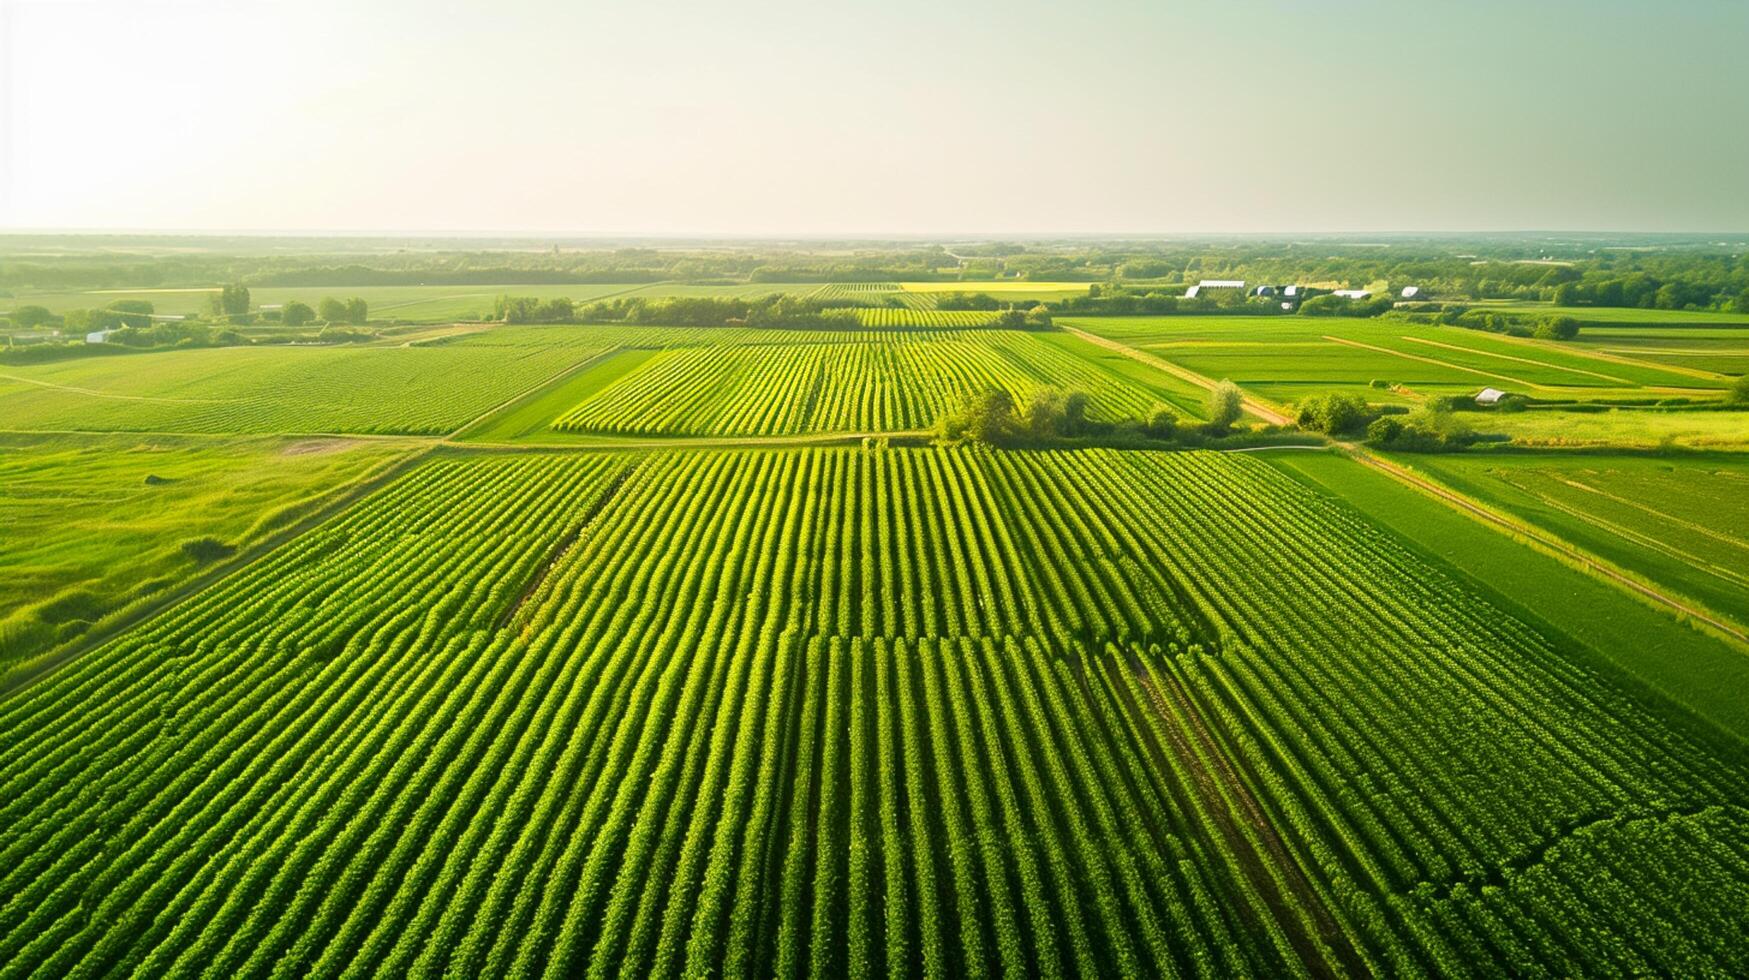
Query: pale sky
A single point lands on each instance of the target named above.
(892, 117)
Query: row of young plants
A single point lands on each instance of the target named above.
(888, 382)
(944, 711)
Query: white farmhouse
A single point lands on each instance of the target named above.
(1353, 293)
(1489, 396)
(1411, 292)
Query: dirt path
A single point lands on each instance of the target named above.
(1256, 406)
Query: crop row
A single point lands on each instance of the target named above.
(896, 382)
(848, 712)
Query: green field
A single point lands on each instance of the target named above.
(1698, 671)
(1289, 358)
(1677, 521)
(410, 390)
(819, 381)
(597, 650)
(95, 525)
(1620, 428)
(1045, 718)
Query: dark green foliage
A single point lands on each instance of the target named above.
(1226, 403)
(232, 301)
(1343, 306)
(30, 316)
(1557, 328)
(1338, 413)
(1739, 392)
(206, 549)
(1430, 430)
(297, 314)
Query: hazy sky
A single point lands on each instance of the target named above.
(891, 117)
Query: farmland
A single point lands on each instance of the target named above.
(399, 390)
(95, 525)
(841, 382)
(839, 645)
(1675, 520)
(838, 735)
(1290, 358)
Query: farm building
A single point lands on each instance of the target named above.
(98, 336)
(1263, 291)
(1411, 292)
(1196, 290)
(1354, 293)
(1489, 396)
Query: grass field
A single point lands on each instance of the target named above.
(94, 525)
(1677, 521)
(407, 390)
(1621, 428)
(1287, 359)
(1045, 718)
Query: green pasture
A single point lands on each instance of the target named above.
(1681, 522)
(94, 524)
(1288, 358)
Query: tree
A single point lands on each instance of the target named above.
(1558, 328)
(1225, 404)
(1742, 302)
(232, 300)
(29, 317)
(1162, 423)
(357, 311)
(331, 310)
(297, 314)
(1335, 413)
(1739, 393)
(136, 312)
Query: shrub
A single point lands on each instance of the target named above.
(1162, 423)
(206, 549)
(1335, 413)
(1739, 392)
(1557, 328)
(1225, 404)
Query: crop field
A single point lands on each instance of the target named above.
(1677, 521)
(406, 390)
(849, 712)
(892, 317)
(1290, 358)
(93, 525)
(824, 382)
(1724, 350)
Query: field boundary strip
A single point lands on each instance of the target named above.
(531, 391)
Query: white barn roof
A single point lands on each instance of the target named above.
(1489, 396)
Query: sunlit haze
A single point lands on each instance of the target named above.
(890, 118)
